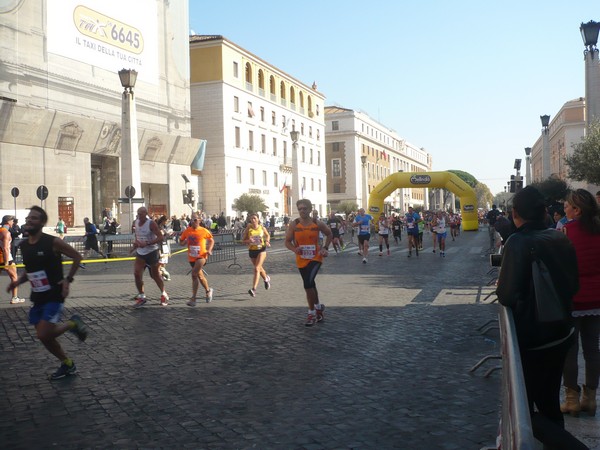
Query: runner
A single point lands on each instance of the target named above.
(91, 239)
(148, 237)
(453, 222)
(412, 230)
(43, 268)
(363, 222)
(6, 257)
(200, 242)
(397, 227)
(433, 224)
(335, 225)
(384, 233)
(441, 233)
(302, 237)
(258, 239)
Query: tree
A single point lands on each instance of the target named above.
(466, 177)
(483, 194)
(553, 189)
(250, 203)
(584, 163)
(347, 207)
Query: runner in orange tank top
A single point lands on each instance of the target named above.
(302, 237)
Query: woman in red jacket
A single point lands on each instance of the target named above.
(583, 229)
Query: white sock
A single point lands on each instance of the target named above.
(312, 312)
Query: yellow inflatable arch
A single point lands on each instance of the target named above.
(445, 180)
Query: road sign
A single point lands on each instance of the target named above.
(14, 192)
(133, 200)
(42, 192)
(129, 192)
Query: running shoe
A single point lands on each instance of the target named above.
(380, 253)
(416, 251)
(16, 300)
(191, 302)
(359, 253)
(268, 282)
(310, 320)
(320, 316)
(63, 371)
(443, 254)
(364, 260)
(409, 254)
(434, 250)
(164, 299)
(252, 292)
(140, 300)
(209, 295)
(80, 329)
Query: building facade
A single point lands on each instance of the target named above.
(60, 104)
(245, 109)
(351, 135)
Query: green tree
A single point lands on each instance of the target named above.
(250, 203)
(553, 189)
(466, 177)
(584, 163)
(483, 194)
(347, 207)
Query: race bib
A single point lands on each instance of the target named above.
(411, 225)
(194, 251)
(256, 241)
(308, 251)
(365, 228)
(39, 281)
(333, 225)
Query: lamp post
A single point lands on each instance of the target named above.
(589, 33)
(527, 166)
(295, 170)
(363, 160)
(130, 154)
(545, 146)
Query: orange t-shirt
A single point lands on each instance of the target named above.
(196, 242)
(4, 238)
(307, 238)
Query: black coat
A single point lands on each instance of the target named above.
(515, 285)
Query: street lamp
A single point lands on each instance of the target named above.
(295, 169)
(130, 154)
(545, 146)
(527, 166)
(363, 160)
(589, 33)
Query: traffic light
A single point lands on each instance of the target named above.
(189, 198)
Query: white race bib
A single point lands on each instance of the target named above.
(39, 281)
(194, 251)
(308, 251)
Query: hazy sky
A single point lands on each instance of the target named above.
(466, 80)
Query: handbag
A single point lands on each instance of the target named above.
(548, 304)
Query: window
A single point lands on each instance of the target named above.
(335, 146)
(263, 143)
(336, 170)
(303, 185)
(252, 177)
(302, 129)
(319, 185)
(273, 118)
(274, 146)
(310, 161)
(319, 158)
(310, 131)
(303, 154)
(335, 125)
(236, 72)
(262, 114)
(264, 177)
(248, 73)
(250, 140)
(285, 152)
(250, 110)
(336, 188)
(275, 179)
(312, 184)
(318, 135)
(238, 174)
(237, 137)
(236, 104)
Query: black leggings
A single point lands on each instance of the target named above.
(309, 273)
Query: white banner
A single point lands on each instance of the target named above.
(110, 34)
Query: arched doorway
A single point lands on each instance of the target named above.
(445, 180)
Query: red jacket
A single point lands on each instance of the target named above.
(587, 248)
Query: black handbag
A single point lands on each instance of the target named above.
(548, 304)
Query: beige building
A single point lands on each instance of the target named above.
(351, 135)
(245, 108)
(60, 103)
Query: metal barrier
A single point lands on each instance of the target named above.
(120, 246)
(516, 431)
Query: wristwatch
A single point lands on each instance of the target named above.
(70, 279)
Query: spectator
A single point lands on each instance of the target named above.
(491, 217)
(583, 230)
(15, 232)
(543, 345)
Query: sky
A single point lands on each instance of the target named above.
(466, 80)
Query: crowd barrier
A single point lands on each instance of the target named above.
(120, 246)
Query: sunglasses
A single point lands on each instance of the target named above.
(302, 209)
